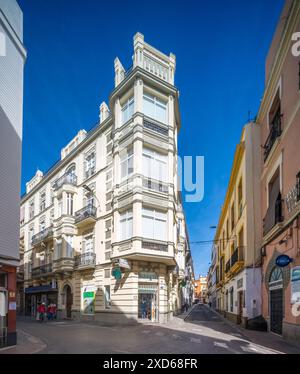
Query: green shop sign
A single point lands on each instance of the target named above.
(116, 273)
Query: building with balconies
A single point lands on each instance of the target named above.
(105, 233)
(237, 241)
(279, 118)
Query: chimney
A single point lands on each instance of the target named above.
(104, 112)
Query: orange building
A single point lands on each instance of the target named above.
(200, 289)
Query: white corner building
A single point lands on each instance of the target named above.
(103, 232)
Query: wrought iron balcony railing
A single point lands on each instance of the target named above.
(85, 259)
(41, 270)
(88, 211)
(152, 125)
(227, 266)
(65, 179)
(293, 198)
(237, 256)
(155, 185)
(275, 132)
(155, 246)
(42, 235)
(274, 215)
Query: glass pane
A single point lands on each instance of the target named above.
(149, 109)
(147, 227)
(161, 113)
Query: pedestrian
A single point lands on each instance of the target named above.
(50, 312)
(42, 311)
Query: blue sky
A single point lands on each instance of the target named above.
(220, 48)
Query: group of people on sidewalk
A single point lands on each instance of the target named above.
(44, 312)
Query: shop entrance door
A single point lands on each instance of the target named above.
(148, 306)
(276, 306)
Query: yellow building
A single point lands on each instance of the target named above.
(238, 273)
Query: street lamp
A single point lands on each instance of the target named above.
(87, 188)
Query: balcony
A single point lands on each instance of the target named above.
(292, 199)
(237, 259)
(273, 217)
(156, 127)
(154, 185)
(70, 179)
(43, 235)
(227, 267)
(85, 261)
(235, 262)
(41, 271)
(275, 132)
(86, 215)
(63, 265)
(20, 273)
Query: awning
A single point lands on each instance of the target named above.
(40, 289)
(148, 288)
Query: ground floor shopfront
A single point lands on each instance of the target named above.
(146, 292)
(8, 334)
(281, 285)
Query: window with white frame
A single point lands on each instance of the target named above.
(126, 225)
(30, 235)
(58, 249)
(31, 209)
(154, 224)
(88, 244)
(42, 223)
(155, 165)
(90, 164)
(155, 108)
(70, 204)
(127, 110)
(69, 245)
(107, 297)
(42, 201)
(127, 164)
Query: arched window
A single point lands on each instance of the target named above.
(276, 278)
(71, 169)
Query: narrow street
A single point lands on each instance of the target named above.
(203, 332)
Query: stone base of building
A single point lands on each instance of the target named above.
(291, 332)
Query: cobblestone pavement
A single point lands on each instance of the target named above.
(202, 331)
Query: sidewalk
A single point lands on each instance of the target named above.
(27, 344)
(265, 339)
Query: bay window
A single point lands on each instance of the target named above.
(127, 164)
(69, 242)
(126, 225)
(155, 108)
(154, 165)
(127, 110)
(154, 224)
